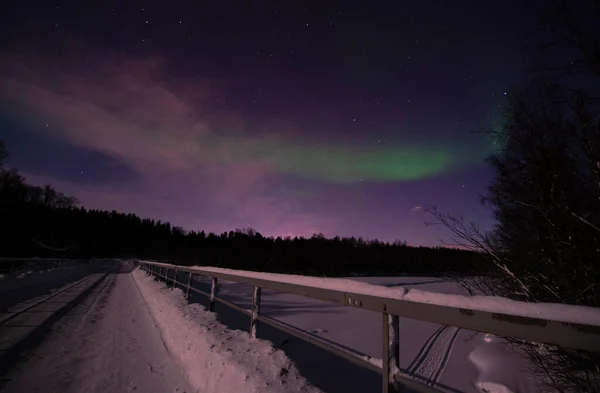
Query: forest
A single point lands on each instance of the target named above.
(43, 222)
(544, 196)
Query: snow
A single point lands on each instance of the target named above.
(215, 358)
(108, 343)
(495, 304)
(335, 284)
(558, 312)
(449, 358)
(492, 375)
(20, 321)
(14, 289)
(133, 333)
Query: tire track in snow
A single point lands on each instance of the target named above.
(433, 357)
(422, 354)
(89, 309)
(446, 358)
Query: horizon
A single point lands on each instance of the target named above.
(290, 119)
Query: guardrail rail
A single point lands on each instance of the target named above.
(15, 265)
(573, 327)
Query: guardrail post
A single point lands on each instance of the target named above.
(255, 312)
(189, 284)
(174, 279)
(391, 350)
(214, 289)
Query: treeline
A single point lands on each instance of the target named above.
(41, 222)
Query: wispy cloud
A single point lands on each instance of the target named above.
(134, 109)
(198, 164)
(187, 154)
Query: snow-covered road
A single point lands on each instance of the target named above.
(108, 343)
(130, 333)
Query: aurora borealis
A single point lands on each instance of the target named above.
(344, 118)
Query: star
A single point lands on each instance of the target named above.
(202, 90)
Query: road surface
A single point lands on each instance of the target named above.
(107, 343)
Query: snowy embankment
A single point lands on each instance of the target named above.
(215, 358)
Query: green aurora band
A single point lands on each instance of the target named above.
(350, 164)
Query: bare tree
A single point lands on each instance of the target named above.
(545, 196)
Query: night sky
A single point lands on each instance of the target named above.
(346, 117)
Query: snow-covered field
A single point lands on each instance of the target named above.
(452, 359)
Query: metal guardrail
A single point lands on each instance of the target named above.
(557, 332)
(16, 265)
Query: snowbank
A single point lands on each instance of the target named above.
(495, 304)
(551, 311)
(214, 358)
(335, 284)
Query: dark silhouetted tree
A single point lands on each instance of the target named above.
(545, 196)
